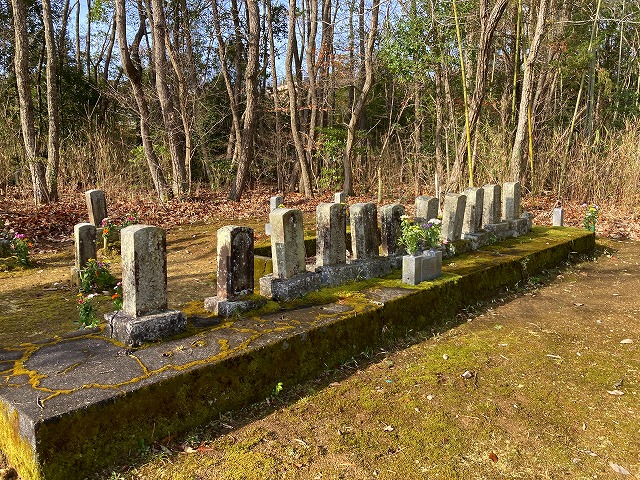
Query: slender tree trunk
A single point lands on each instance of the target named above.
(293, 102)
(517, 166)
(247, 147)
(174, 128)
(133, 71)
(276, 100)
(53, 104)
(21, 64)
(362, 98)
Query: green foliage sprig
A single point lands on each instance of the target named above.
(591, 217)
(96, 277)
(415, 235)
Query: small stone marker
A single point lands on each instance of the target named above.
(84, 236)
(97, 206)
(390, 230)
(492, 204)
(426, 208)
(235, 271)
(287, 242)
(511, 200)
(144, 316)
(452, 216)
(558, 217)
(275, 202)
(339, 197)
(472, 222)
(364, 231)
(331, 234)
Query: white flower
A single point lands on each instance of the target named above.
(435, 221)
(91, 295)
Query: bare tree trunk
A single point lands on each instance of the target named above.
(276, 100)
(21, 64)
(174, 127)
(362, 98)
(293, 102)
(129, 57)
(53, 104)
(247, 147)
(231, 91)
(489, 23)
(526, 95)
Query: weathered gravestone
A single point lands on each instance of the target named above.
(290, 278)
(364, 231)
(144, 316)
(97, 206)
(331, 234)
(274, 202)
(472, 222)
(558, 217)
(390, 228)
(235, 278)
(426, 209)
(511, 201)
(84, 236)
(452, 216)
(491, 204)
(339, 197)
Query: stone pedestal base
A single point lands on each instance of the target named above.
(133, 331)
(226, 308)
(478, 239)
(499, 230)
(519, 226)
(289, 288)
(420, 268)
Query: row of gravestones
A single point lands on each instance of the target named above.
(478, 215)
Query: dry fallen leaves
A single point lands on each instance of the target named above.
(493, 456)
(619, 469)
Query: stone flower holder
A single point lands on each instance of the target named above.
(418, 268)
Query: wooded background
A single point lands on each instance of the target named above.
(425, 95)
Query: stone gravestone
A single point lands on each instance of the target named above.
(364, 231)
(84, 236)
(511, 201)
(235, 272)
(558, 217)
(390, 229)
(472, 222)
(97, 206)
(491, 210)
(290, 278)
(452, 216)
(426, 209)
(339, 197)
(274, 202)
(144, 316)
(331, 234)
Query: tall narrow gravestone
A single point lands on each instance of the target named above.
(339, 197)
(84, 236)
(364, 231)
(331, 234)
(511, 201)
(390, 229)
(97, 206)
(290, 278)
(452, 216)
(473, 212)
(287, 242)
(144, 316)
(426, 209)
(235, 271)
(491, 210)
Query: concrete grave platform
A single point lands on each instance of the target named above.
(70, 406)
